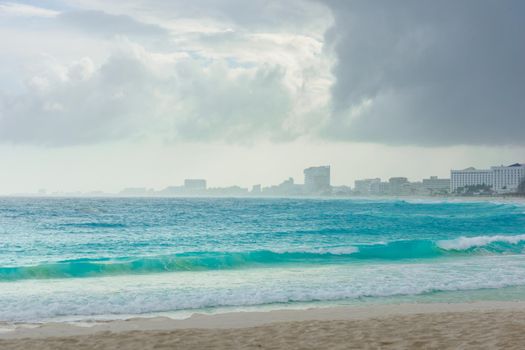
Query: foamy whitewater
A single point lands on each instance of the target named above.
(73, 259)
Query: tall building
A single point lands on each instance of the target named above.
(501, 179)
(285, 188)
(506, 179)
(317, 179)
(256, 189)
(195, 184)
(435, 185)
(470, 177)
(398, 185)
(367, 186)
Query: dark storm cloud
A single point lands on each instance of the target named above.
(434, 72)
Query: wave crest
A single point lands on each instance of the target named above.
(227, 260)
(465, 243)
(192, 261)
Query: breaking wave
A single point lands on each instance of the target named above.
(210, 260)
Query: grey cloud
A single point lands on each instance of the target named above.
(253, 14)
(126, 98)
(99, 22)
(435, 72)
(250, 106)
(200, 86)
(81, 110)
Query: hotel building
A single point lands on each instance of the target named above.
(367, 186)
(317, 179)
(436, 185)
(508, 178)
(501, 179)
(470, 177)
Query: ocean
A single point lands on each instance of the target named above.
(108, 258)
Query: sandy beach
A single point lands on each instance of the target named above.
(479, 325)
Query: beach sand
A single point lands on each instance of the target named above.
(480, 325)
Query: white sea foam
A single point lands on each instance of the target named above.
(35, 300)
(520, 202)
(324, 250)
(463, 243)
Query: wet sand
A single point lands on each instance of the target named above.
(481, 325)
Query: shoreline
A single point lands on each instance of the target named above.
(251, 319)
(476, 325)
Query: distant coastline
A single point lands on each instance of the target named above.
(498, 181)
(513, 197)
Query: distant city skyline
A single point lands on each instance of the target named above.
(497, 180)
(98, 95)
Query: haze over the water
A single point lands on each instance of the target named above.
(98, 95)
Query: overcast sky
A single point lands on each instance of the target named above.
(99, 95)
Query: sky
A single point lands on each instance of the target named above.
(99, 95)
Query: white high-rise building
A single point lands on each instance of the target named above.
(195, 184)
(501, 179)
(317, 179)
(436, 185)
(367, 186)
(398, 185)
(508, 178)
(470, 177)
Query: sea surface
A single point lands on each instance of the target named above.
(92, 258)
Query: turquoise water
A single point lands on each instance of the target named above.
(88, 258)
